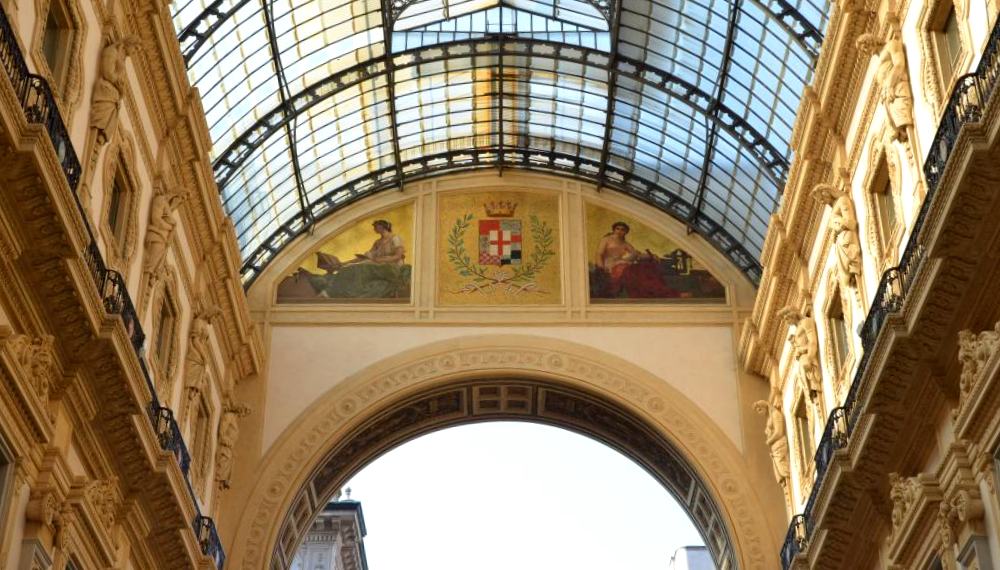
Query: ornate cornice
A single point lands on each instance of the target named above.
(824, 117)
(175, 111)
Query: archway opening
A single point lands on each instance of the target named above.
(502, 494)
(537, 400)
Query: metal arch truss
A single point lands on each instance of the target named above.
(804, 32)
(483, 158)
(199, 31)
(398, 6)
(774, 162)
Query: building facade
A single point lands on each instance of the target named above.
(335, 541)
(759, 259)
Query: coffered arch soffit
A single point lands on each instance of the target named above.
(504, 377)
(686, 104)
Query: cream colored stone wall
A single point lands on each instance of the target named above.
(313, 347)
(308, 361)
(316, 351)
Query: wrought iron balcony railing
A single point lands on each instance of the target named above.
(208, 537)
(794, 540)
(39, 107)
(37, 101)
(968, 99)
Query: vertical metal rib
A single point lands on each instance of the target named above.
(285, 95)
(713, 112)
(397, 156)
(616, 18)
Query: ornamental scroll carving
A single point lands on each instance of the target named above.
(101, 494)
(805, 348)
(36, 357)
(775, 434)
(903, 492)
(974, 352)
(844, 226)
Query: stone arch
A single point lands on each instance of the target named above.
(445, 381)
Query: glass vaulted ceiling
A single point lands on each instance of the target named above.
(685, 104)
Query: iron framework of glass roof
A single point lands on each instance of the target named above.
(687, 105)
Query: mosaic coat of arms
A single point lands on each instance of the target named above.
(507, 255)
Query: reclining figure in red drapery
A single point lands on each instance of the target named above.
(638, 275)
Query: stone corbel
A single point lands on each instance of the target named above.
(35, 357)
(966, 511)
(915, 501)
(42, 508)
(975, 350)
(101, 493)
(985, 472)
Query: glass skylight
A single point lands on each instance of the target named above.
(686, 104)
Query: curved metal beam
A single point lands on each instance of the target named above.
(197, 33)
(200, 30)
(475, 159)
(774, 162)
(602, 6)
(609, 110)
(793, 22)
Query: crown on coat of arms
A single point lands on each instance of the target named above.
(500, 209)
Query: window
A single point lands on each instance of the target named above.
(886, 216)
(6, 475)
(803, 434)
(165, 333)
(56, 40)
(948, 44)
(116, 208)
(202, 443)
(837, 328)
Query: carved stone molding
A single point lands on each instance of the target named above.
(42, 507)
(915, 503)
(103, 495)
(935, 93)
(120, 160)
(165, 365)
(33, 556)
(296, 461)
(70, 88)
(36, 357)
(883, 251)
(974, 354)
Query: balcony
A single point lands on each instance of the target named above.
(38, 106)
(894, 301)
